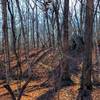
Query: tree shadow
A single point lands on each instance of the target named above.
(84, 94)
(49, 95)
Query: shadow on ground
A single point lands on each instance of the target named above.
(48, 95)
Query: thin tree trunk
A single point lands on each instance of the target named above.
(14, 37)
(56, 9)
(37, 23)
(48, 30)
(10, 91)
(33, 36)
(5, 36)
(25, 39)
(81, 18)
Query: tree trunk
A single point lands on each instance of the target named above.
(25, 38)
(56, 9)
(87, 61)
(86, 84)
(14, 36)
(81, 18)
(5, 36)
(37, 27)
(48, 29)
(33, 36)
(66, 74)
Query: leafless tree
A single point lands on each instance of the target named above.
(66, 74)
(86, 84)
(5, 39)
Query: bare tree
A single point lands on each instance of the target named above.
(56, 10)
(66, 74)
(47, 22)
(25, 38)
(5, 37)
(86, 84)
(81, 17)
(13, 28)
(33, 35)
(37, 26)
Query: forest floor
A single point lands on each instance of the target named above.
(45, 68)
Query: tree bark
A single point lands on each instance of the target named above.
(88, 45)
(25, 38)
(37, 27)
(66, 74)
(86, 84)
(5, 36)
(56, 9)
(13, 29)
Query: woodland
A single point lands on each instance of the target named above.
(49, 49)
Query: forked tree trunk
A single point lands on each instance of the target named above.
(13, 29)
